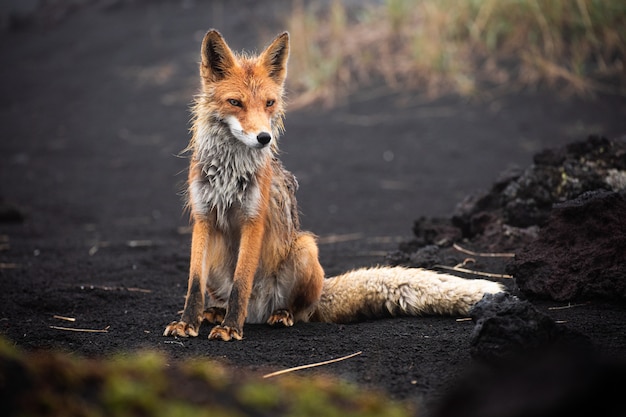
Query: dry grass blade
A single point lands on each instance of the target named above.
(567, 306)
(72, 329)
(107, 288)
(312, 365)
(469, 271)
(335, 238)
(139, 243)
(134, 289)
(72, 319)
(174, 342)
(484, 254)
(4, 265)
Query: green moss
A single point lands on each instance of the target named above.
(143, 384)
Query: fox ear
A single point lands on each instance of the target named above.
(274, 58)
(217, 58)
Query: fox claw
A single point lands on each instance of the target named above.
(180, 329)
(282, 316)
(225, 333)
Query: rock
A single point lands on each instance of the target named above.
(507, 327)
(437, 231)
(580, 253)
(577, 250)
(525, 198)
(531, 366)
(426, 257)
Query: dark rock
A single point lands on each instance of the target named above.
(552, 382)
(580, 253)
(525, 198)
(469, 214)
(398, 257)
(426, 257)
(437, 231)
(507, 327)
(531, 367)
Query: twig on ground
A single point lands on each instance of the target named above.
(135, 289)
(72, 319)
(139, 243)
(336, 238)
(464, 319)
(469, 271)
(465, 262)
(312, 365)
(567, 306)
(174, 342)
(72, 329)
(106, 288)
(484, 254)
(97, 245)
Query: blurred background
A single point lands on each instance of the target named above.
(471, 49)
(397, 108)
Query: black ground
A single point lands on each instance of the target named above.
(93, 112)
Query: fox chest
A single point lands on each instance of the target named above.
(228, 195)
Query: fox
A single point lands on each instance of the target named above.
(250, 261)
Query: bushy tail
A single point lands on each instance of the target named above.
(398, 291)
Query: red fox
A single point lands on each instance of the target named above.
(247, 250)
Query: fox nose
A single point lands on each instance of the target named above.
(264, 138)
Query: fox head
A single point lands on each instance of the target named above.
(246, 92)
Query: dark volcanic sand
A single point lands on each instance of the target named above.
(93, 111)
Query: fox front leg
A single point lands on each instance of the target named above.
(250, 244)
(189, 323)
(249, 252)
(193, 314)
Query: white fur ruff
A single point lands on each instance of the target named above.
(229, 168)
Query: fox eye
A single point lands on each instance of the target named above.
(269, 103)
(234, 102)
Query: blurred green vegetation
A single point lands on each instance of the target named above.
(147, 384)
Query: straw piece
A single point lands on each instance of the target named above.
(312, 365)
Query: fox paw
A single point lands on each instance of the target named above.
(214, 315)
(282, 316)
(181, 329)
(225, 333)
